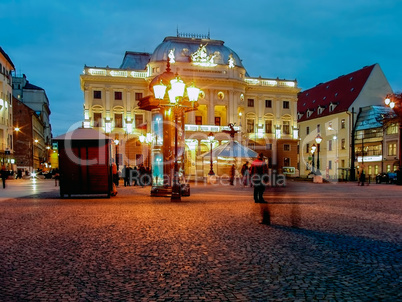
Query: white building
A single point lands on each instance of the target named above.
(264, 110)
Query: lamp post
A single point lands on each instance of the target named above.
(148, 140)
(394, 101)
(335, 137)
(318, 140)
(313, 148)
(116, 142)
(172, 93)
(211, 138)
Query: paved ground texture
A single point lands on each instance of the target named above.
(326, 242)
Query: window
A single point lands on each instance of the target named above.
(217, 121)
(286, 127)
(268, 103)
(97, 94)
(139, 120)
(343, 123)
(138, 96)
(330, 164)
(376, 169)
(118, 95)
(392, 129)
(388, 168)
(285, 104)
(343, 144)
(286, 147)
(307, 148)
(342, 163)
(330, 145)
(307, 130)
(97, 119)
(318, 128)
(268, 146)
(118, 120)
(198, 120)
(250, 103)
(286, 162)
(268, 126)
(250, 125)
(392, 149)
(370, 170)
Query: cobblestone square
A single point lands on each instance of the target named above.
(326, 242)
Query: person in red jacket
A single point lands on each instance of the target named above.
(259, 178)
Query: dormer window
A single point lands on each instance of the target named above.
(332, 106)
(320, 109)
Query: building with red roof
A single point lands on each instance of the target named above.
(329, 110)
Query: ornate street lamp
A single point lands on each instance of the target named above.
(147, 139)
(313, 148)
(318, 140)
(211, 139)
(394, 101)
(172, 93)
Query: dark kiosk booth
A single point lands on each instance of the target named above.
(84, 162)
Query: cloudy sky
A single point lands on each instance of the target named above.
(312, 41)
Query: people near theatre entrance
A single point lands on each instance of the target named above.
(232, 174)
(259, 178)
(135, 176)
(126, 175)
(245, 172)
(4, 175)
(142, 175)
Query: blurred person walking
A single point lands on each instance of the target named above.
(259, 178)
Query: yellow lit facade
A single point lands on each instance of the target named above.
(264, 110)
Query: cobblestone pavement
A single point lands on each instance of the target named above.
(326, 242)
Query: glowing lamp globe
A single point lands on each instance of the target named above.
(193, 93)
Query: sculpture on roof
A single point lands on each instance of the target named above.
(201, 57)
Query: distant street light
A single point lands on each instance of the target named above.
(318, 140)
(211, 139)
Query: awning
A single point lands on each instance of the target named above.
(231, 149)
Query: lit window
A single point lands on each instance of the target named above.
(250, 125)
(97, 119)
(268, 126)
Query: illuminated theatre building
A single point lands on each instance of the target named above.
(120, 102)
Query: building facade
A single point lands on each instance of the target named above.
(32, 121)
(30, 151)
(6, 113)
(330, 110)
(264, 110)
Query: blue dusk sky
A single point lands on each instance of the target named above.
(313, 41)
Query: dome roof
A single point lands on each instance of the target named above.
(183, 48)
